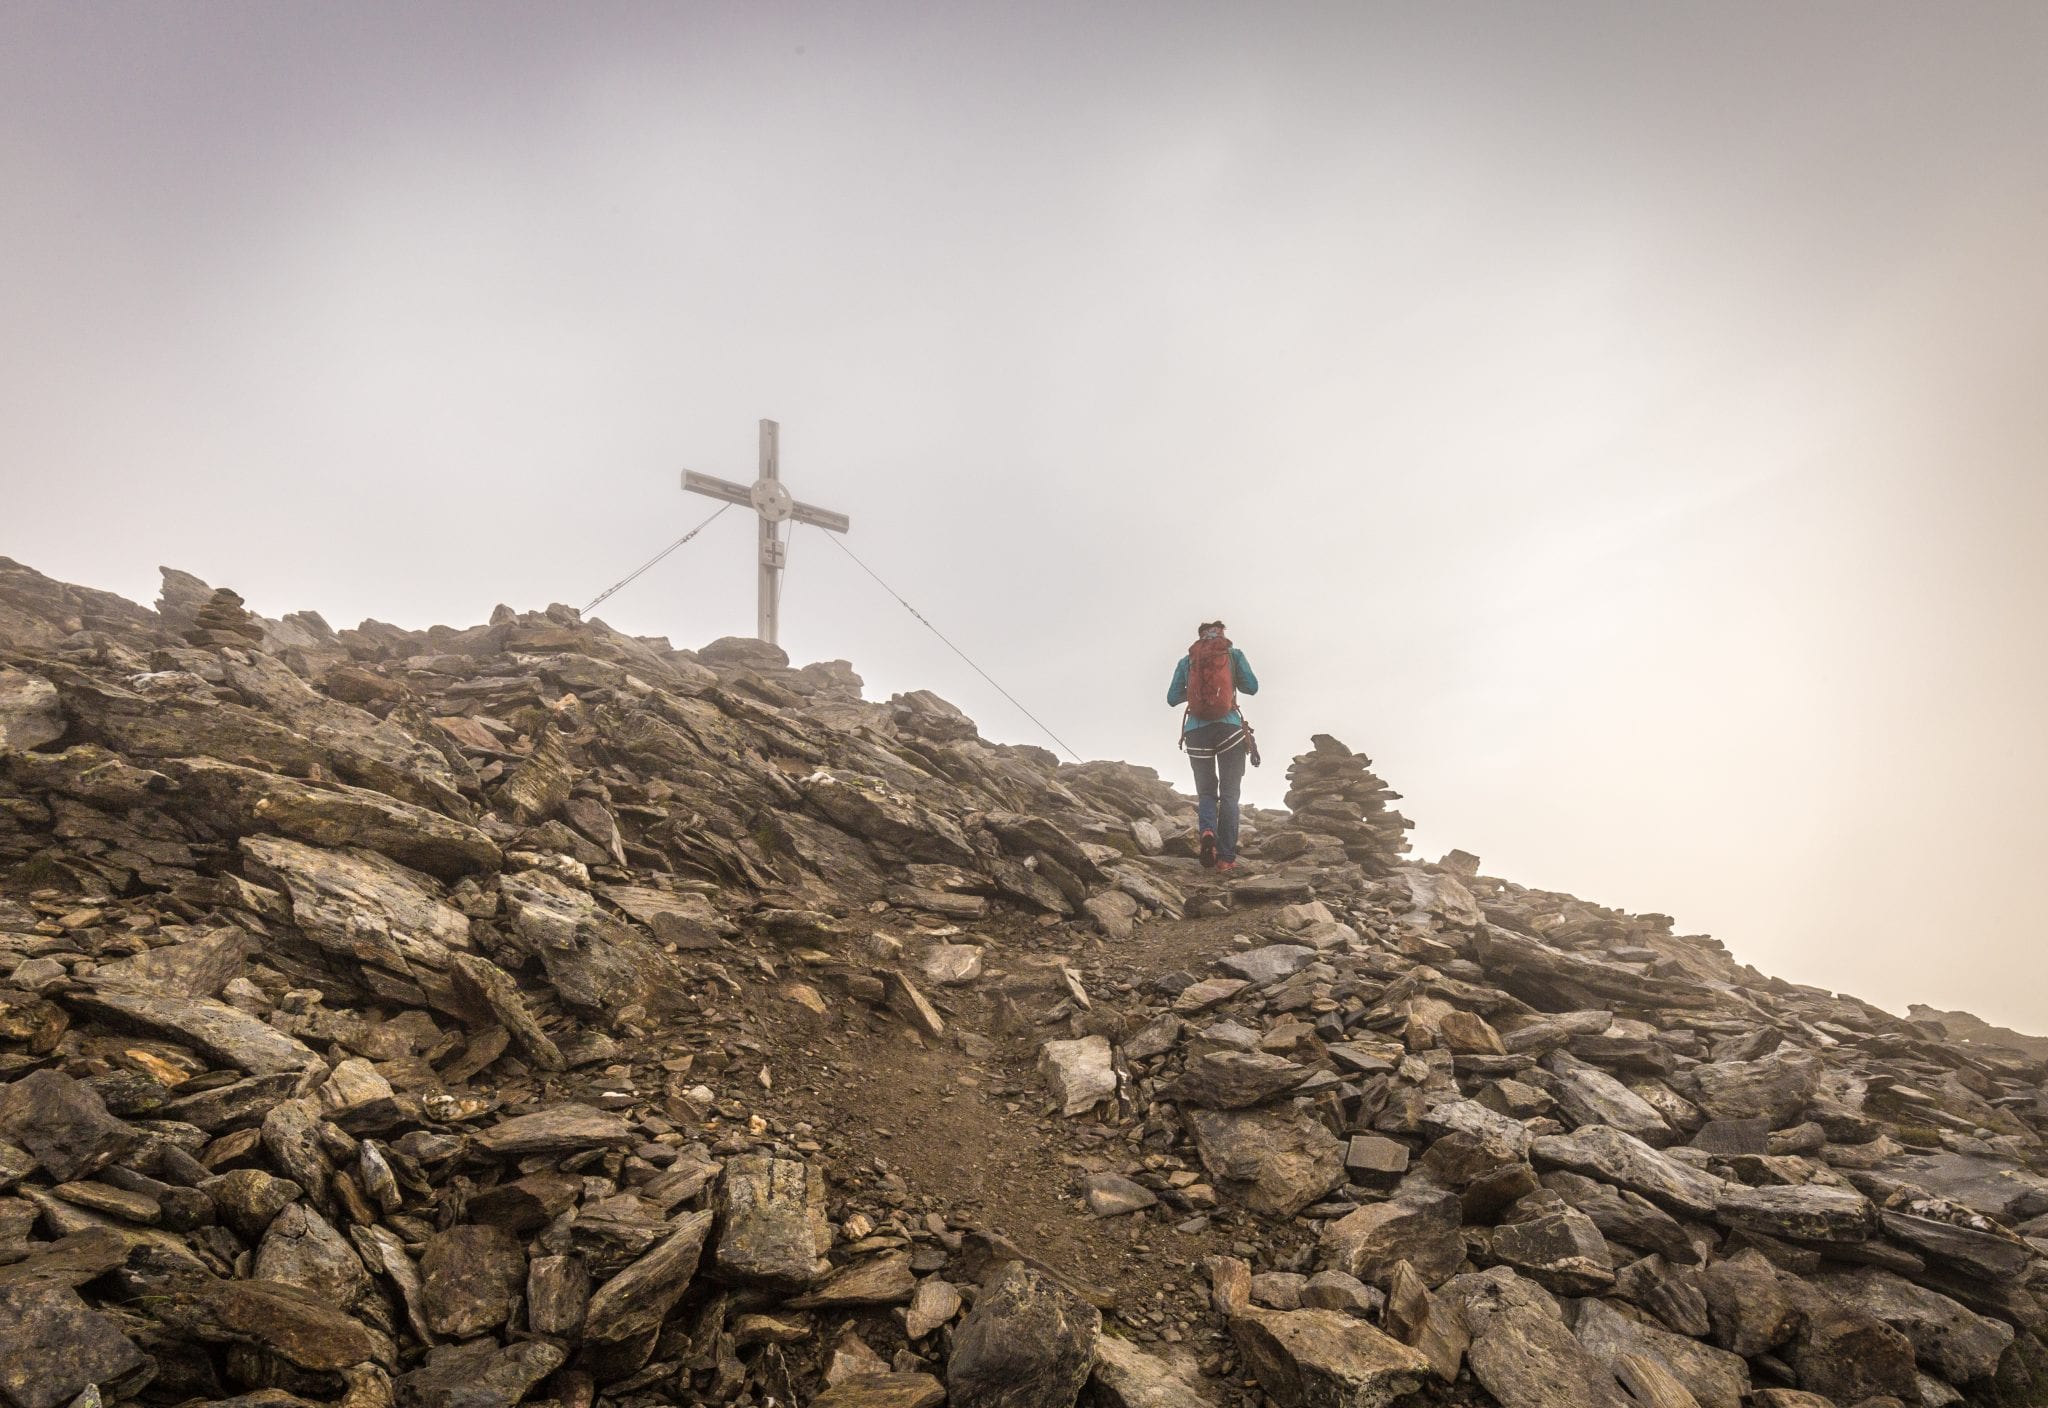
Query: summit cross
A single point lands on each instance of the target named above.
(772, 502)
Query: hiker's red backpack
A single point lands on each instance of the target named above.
(1212, 679)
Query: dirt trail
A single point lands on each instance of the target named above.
(962, 1125)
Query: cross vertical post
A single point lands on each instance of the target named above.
(774, 552)
(773, 504)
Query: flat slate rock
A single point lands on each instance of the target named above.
(1232, 1080)
(558, 1129)
(470, 1276)
(1273, 889)
(638, 1299)
(1716, 1378)
(63, 1124)
(1948, 1338)
(1615, 1157)
(223, 1033)
(883, 1391)
(1588, 1095)
(283, 1320)
(53, 1346)
(1996, 1187)
(1125, 1376)
(1310, 1357)
(1419, 1226)
(1267, 964)
(1810, 1212)
(883, 1280)
(479, 1374)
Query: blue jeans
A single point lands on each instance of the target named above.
(1217, 781)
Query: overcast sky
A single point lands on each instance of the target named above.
(1624, 422)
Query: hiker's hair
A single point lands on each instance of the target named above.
(1207, 625)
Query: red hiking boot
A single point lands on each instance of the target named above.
(1208, 850)
(1226, 865)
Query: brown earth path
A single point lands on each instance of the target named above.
(962, 1126)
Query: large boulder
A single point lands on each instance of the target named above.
(1420, 1226)
(30, 714)
(1028, 1343)
(1277, 1159)
(1849, 1356)
(1313, 1358)
(1613, 1156)
(1526, 1358)
(244, 801)
(360, 904)
(1716, 1378)
(1775, 1088)
(772, 1226)
(1948, 1338)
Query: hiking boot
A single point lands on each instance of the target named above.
(1208, 850)
(1226, 865)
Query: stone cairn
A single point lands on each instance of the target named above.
(224, 621)
(1333, 792)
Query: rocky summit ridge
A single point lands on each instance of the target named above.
(534, 1013)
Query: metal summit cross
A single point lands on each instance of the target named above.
(772, 502)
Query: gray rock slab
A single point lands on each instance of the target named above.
(63, 1124)
(1612, 1156)
(639, 1298)
(1528, 1359)
(1277, 1160)
(1808, 1212)
(1307, 1358)
(55, 1346)
(1715, 1377)
(1079, 1074)
(559, 1129)
(222, 1033)
(1419, 1226)
(1268, 964)
(1948, 1338)
(1028, 1343)
(470, 1277)
(1125, 1376)
(772, 1226)
(1232, 1080)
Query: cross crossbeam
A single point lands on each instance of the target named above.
(772, 502)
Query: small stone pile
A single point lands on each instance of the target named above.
(1333, 793)
(222, 620)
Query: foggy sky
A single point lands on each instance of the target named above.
(1623, 422)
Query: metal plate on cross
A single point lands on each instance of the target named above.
(771, 500)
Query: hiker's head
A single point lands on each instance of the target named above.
(1208, 629)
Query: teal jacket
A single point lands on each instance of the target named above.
(1240, 668)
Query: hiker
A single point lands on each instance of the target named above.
(1214, 735)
